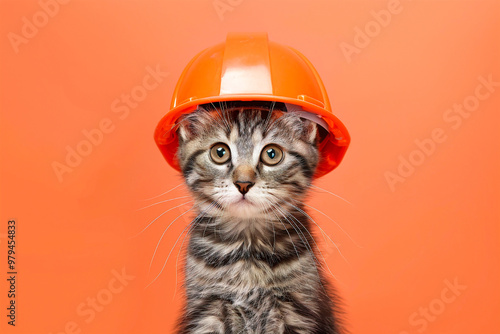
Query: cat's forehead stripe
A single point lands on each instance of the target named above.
(244, 143)
(234, 134)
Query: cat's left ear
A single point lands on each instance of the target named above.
(310, 133)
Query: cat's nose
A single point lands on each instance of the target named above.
(244, 178)
(243, 186)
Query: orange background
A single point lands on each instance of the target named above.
(437, 225)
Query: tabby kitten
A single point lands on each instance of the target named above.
(251, 264)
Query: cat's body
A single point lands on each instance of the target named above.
(251, 263)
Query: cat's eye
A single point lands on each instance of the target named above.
(220, 153)
(271, 155)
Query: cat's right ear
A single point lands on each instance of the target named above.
(192, 124)
(185, 129)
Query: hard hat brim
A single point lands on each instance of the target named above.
(335, 143)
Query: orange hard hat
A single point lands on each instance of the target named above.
(248, 67)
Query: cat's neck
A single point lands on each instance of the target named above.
(262, 235)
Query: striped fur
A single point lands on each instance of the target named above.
(251, 267)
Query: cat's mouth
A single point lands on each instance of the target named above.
(244, 201)
(244, 207)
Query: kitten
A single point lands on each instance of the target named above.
(251, 265)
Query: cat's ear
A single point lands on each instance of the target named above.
(310, 132)
(191, 125)
(185, 129)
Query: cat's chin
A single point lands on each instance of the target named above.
(244, 203)
(243, 208)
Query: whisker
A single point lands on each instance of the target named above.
(305, 241)
(166, 192)
(340, 227)
(190, 225)
(333, 194)
(205, 230)
(319, 250)
(168, 200)
(223, 108)
(227, 113)
(222, 117)
(197, 220)
(272, 225)
(158, 244)
(295, 248)
(193, 226)
(164, 212)
(308, 246)
(305, 213)
(268, 117)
